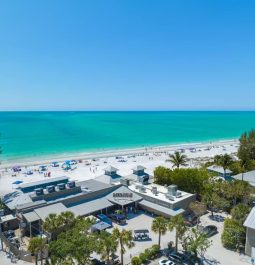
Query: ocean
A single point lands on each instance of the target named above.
(40, 134)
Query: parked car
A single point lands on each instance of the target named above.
(118, 218)
(166, 262)
(179, 258)
(210, 230)
(97, 262)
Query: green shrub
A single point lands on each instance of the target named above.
(233, 236)
(154, 251)
(143, 257)
(136, 261)
(147, 252)
(240, 212)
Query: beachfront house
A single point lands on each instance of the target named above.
(250, 234)
(219, 171)
(247, 176)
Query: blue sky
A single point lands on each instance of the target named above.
(127, 55)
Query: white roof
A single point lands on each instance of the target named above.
(161, 192)
(248, 176)
(250, 220)
(218, 169)
(111, 169)
(138, 168)
(164, 210)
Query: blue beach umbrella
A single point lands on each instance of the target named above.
(17, 182)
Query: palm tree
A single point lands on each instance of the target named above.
(107, 246)
(178, 159)
(37, 245)
(224, 161)
(244, 163)
(159, 225)
(66, 219)
(124, 238)
(52, 224)
(177, 222)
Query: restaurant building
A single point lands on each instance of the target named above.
(32, 203)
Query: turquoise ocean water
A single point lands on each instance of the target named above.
(31, 134)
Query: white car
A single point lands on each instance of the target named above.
(166, 262)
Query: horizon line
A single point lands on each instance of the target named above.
(130, 110)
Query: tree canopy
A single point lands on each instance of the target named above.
(247, 146)
(187, 179)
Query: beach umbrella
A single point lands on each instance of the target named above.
(17, 182)
(67, 162)
(16, 168)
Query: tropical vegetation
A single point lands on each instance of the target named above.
(37, 246)
(125, 239)
(177, 223)
(190, 180)
(178, 159)
(196, 242)
(233, 236)
(224, 161)
(159, 226)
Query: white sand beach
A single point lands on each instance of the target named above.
(93, 164)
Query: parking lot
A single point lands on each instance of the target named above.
(216, 254)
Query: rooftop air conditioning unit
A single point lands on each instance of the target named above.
(178, 194)
(142, 189)
(171, 190)
(154, 190)
(171, 198)
(71, 184)
(61, 186)
(39, 191)
(50, 189)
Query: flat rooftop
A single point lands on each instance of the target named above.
(161, 192)
(42, 182)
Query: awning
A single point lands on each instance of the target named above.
(160, 210)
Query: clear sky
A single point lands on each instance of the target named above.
(127, 55)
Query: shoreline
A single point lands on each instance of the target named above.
(40, 160)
